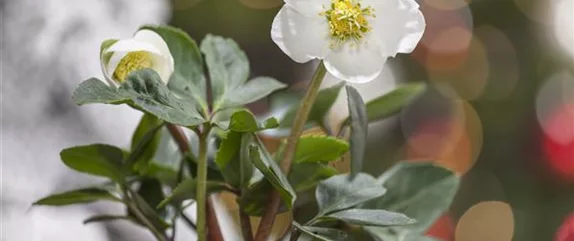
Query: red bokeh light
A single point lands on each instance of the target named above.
(442, 229)
(566, 230)
(560, 152)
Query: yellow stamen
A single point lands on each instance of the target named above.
(131, 62)
(348, 20)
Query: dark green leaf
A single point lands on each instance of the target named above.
(304, 176)
(164, 174)
(253, 90)
(265, 163)
(324, 234)
(145, 139)
(148, 92)
(371, 217)
(86, 195)
(151, 191)
(244, 121)
(97, 159)
(187, 78)
(150, 213)
(94, 90)
(319, 148)
(359, 129)
(421, 191)
(392, 102)
(228, 66)
(187, 188)
(255, 197)
(233, 159)
(340, 192)
(107, 218)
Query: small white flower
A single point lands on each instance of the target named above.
(353, 37)
(146, 49)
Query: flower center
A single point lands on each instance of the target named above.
(348, 20)
(131, 62)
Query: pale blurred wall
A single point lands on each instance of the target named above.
(48, 48)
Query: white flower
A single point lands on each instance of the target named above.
(353, 37)
(146, 49)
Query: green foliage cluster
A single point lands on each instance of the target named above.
(155, 186)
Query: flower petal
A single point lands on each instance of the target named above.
(301, 38)
(309, 8)
(399, 25)
(131, 45)
(156, 40)
(357, 63)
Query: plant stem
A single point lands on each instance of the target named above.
(289, 152)
(245, 226)
(201, 189)
(183, 143)
(141, 217)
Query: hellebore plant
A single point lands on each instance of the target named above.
(160, 71)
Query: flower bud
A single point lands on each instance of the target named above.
(146, 49)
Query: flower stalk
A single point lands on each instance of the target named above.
(301, 116)
(201, 191)
(210, 230)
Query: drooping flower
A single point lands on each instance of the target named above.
(146, 49)
(353, 37)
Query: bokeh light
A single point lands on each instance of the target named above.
(566, 231)
(563, 24)
(559, 149)
(502, 63)
(443, 130)
(490, 220)
(469, 78)
(535, 10)
(442, 229)
(556, 93)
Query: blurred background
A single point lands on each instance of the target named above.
(499, 109)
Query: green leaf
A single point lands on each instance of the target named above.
(323, 103)
(164, 174)
(187, 188)
(151, 191)
(340, 192)
(253, 90)
(265, 163)
(188, 77)
(304, 176)
(94, 90)
(147, 211)
(148, 92)
(254, 198)
(324, 234)
(389, 234)
(392, 102)
(107, 218)
(371, 217)
(421, 191)
(319, 149)
(145, 139)
(228, 66)
(233, 159)
(86, 195)
(244, 121)
(97, 159)
(359, 129)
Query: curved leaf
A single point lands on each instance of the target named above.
(97, 159)
(188, 77)
(319, 148)
(340, 193)
(359, 129)
(86, 195)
